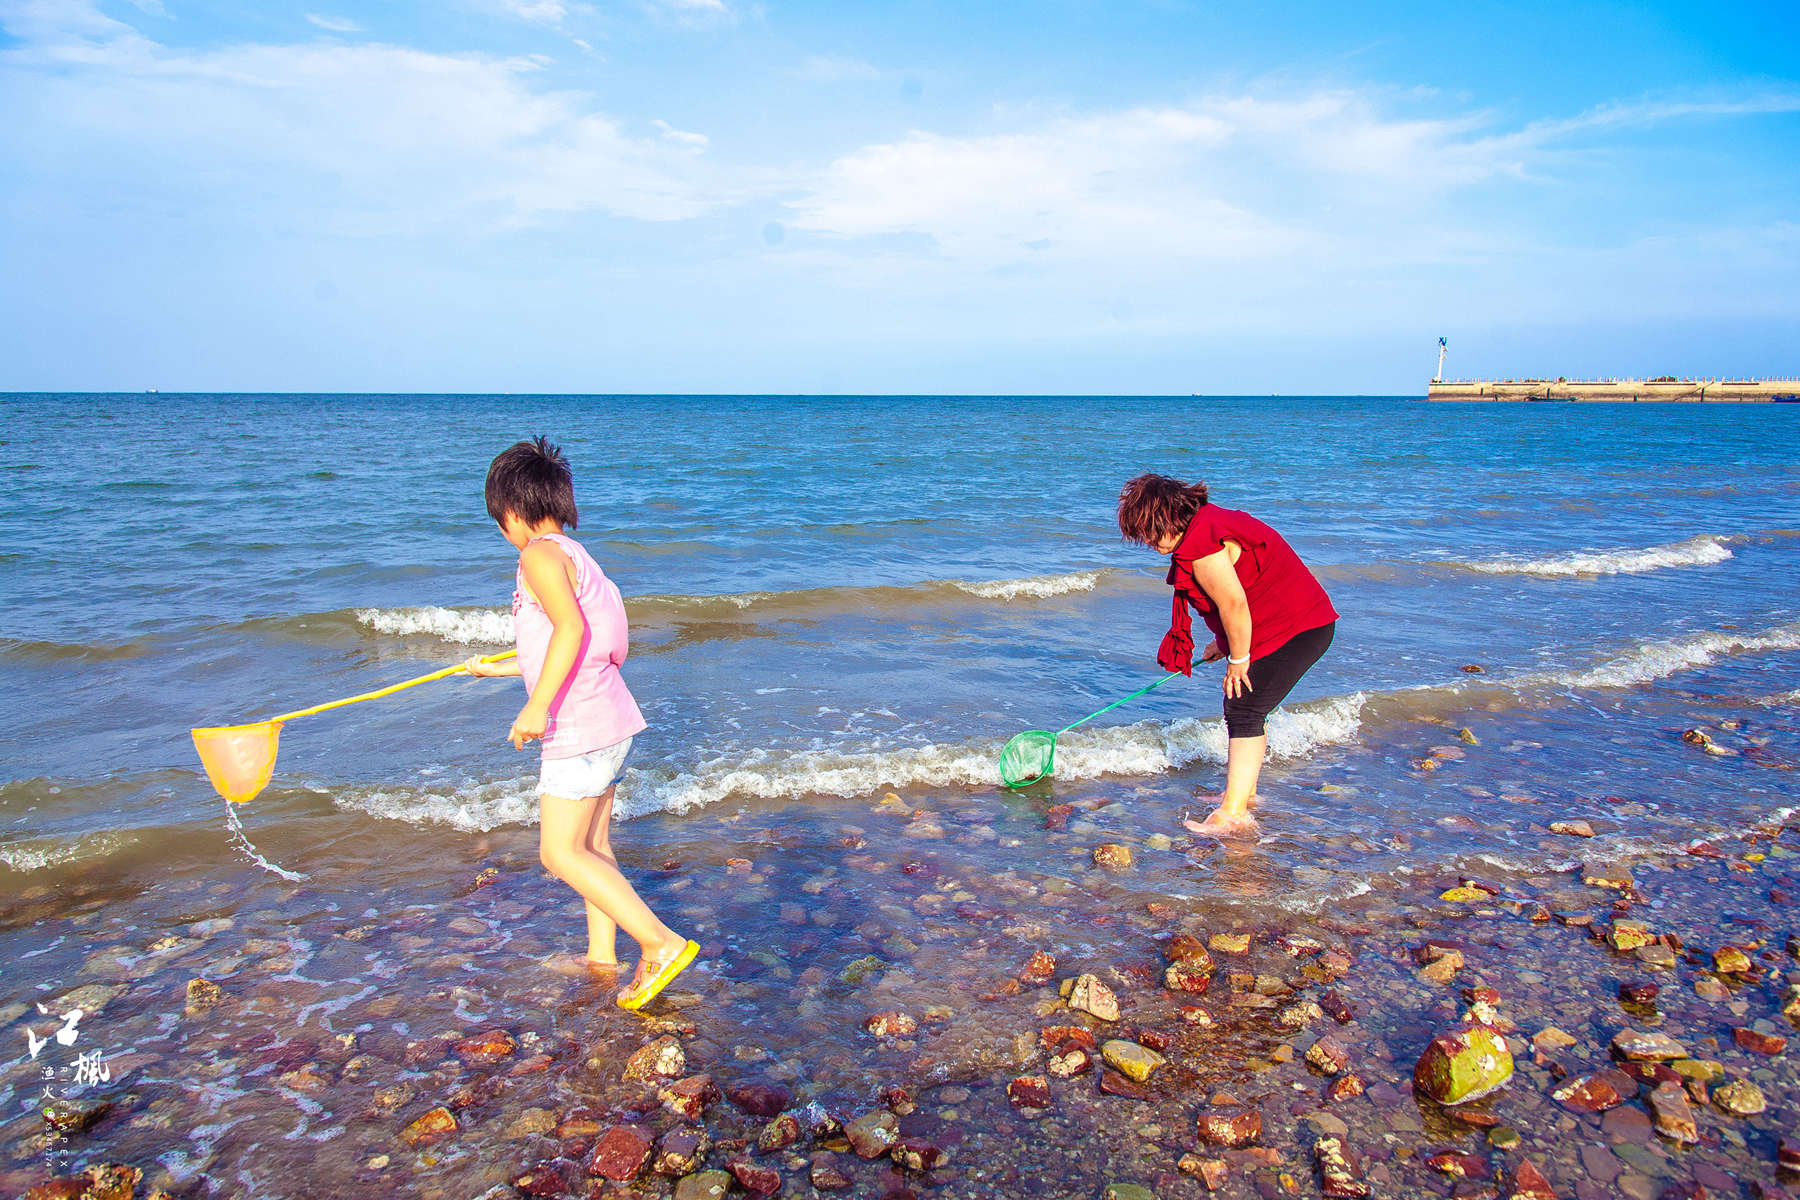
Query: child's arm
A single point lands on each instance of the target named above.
(478, 666)
(546, 571)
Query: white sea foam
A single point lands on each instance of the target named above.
(1036, 587)
(472, 807)
(1144, 748)
(1657, 660)
(1694, 552)
(46, 853)
(471, 626)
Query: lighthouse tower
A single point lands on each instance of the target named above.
(1443, 348)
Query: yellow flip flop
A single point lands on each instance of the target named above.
(652, 988)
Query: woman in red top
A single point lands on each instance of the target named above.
(1270, 619)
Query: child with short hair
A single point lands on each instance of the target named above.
(570, 629)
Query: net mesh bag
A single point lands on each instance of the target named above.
(1027, 758)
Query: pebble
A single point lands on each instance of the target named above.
(871, 1134)
(1672, 1114)
(429, 1127)
(1131, 1059)
(1740, 1098)
(1634, 1046)
(1464, 1064)
(1112, 856)
(1086, 993)
(1232, 1127)
(1328, 1055)
(1769, 1044)
(703, 1185)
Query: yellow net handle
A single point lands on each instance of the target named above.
(387, 691)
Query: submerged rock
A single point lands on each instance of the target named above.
(759, 1099)
(1464, 1064)
(662, 1059)
(1590, 1094)
(1112, 856)
(620, 1153)
(689, 1098)
(704, 1185)
(680, 1150)
(1234, 1127)
(891, 1024)
(780, 1133)
(759, 1181)
(1633, 1046)
(488, 1046)
(1328, 1055)
(1671, 1113)
(1770, 1044)
(1340, 1176)
(1029, 1091)
(1528, 1183)
(872, 1134)
(429, 1127)
(1740, 1098)
(1089, 995)
(1131, 1059)
(825, 1173)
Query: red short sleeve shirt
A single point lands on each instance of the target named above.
(1285, 598)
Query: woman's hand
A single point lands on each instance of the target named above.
(1213, 652)
(1237, 680)
(528, 726)
(477, 666)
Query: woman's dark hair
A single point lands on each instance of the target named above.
(1153, 507)
(531, 480)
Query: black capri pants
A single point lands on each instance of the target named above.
(1272, 677)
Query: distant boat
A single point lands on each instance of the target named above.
(1787, 399)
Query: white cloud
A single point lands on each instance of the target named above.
(363, 138)
(680, 137)
(1337, 176)
(153, 7)
(334, 24)
(541, 12)
(837, 68)
(697, 14)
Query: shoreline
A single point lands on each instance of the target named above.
(1263, 1043)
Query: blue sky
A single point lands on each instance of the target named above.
(719, 195)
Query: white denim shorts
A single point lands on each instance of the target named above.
(583, 775)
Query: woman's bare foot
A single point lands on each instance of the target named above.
(579, 966)
(1223, 822)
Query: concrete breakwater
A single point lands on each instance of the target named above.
(1618, 390)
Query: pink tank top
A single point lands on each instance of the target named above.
(594, 709)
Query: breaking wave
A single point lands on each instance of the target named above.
(493, 626)
(1657, 660)
(466, 626)
(1144, 748)
(1034, 587)
(1694, 552)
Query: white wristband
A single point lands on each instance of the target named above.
(1237, 662)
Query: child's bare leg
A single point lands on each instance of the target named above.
(563, 849)
(1243, 766)
(602, 932)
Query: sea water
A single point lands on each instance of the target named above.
(841, 608)
(832, 596)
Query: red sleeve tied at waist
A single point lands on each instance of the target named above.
(1284, 597)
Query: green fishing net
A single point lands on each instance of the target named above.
(1027, 758)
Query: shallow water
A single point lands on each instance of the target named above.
(831, 600)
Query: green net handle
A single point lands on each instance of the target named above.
(1116, 703)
